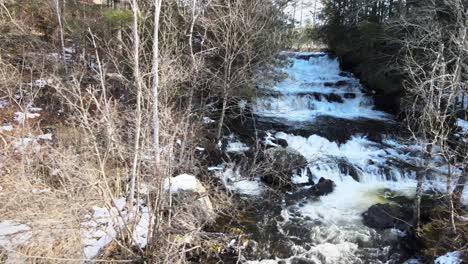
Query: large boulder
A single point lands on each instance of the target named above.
(382, 216)
(323, 187)
(279, 166)
(189, 192)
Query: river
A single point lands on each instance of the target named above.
(326, 115)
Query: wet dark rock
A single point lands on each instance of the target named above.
(323, 187)
(334, 98)
(280, 164)
(336, 129)
(308, 56)
(345, 74)
(342, 83)
(336, 84)
(349, 169)
(382, 216)
(281, 142)
(349, 95)
(315, 95)
(310, 176)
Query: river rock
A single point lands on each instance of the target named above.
(190, 193)
(281, 142)
(382, 216)
(334, 98)
(323, 187)
(308, 56)
(349, 95)
(349, 169)
(280, 162)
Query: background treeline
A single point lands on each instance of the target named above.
(366, 34)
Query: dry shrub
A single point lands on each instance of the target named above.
(9, 77)
(51, 190)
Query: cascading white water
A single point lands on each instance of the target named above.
(311, 90)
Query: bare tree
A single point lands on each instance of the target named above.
(138, 80)
(62, 40)
(434, 48)
(154, 87)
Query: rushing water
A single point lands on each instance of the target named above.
(325, 114)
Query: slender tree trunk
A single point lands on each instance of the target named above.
(139, 86)
(458, 192)
(154, 229)
(62, 39)
(223, 114)
(154, 88)
(192, 85)
(420, 177)
(417, 205)
(450, 196)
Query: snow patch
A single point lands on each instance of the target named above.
(207, 120)
(13, 234)
(40, 83)
(31, 142)
(104, 225)
(20, 117)
(47, 136)
(247, 187)
(216, 168)
(23, 144)
(4, 103)
(463, 125)
(235, 146)
(6, 128)
(449, 258)
(233, 180)
(184, 182)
